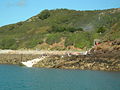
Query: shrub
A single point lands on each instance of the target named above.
(53, 38)
(101, 30)
(8, 44)
(79, 40)
(44, 14)
(62, 28)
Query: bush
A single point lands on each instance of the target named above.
(63, 28)
(101, 30)
(44, 14)
(79, 40)
(34, 41)
(8, 44)
(53, 38)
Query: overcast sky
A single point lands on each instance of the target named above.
(12, 11)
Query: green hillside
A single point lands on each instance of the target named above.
(61, 29)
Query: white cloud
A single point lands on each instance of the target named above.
(19, 3)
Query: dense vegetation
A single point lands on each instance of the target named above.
(62, 26)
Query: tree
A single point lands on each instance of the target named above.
(44, 14)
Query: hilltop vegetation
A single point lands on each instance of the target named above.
(62, 29)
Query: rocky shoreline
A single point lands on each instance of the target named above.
(83, 62)
(80, 62)
(104, 57)
(16, 58)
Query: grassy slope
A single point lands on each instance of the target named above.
(35, 31)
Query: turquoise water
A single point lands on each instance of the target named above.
(23, 78)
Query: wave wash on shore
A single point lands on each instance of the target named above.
(30, 63)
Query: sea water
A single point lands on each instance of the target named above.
(14, 77)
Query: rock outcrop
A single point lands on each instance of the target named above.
(102, 57)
